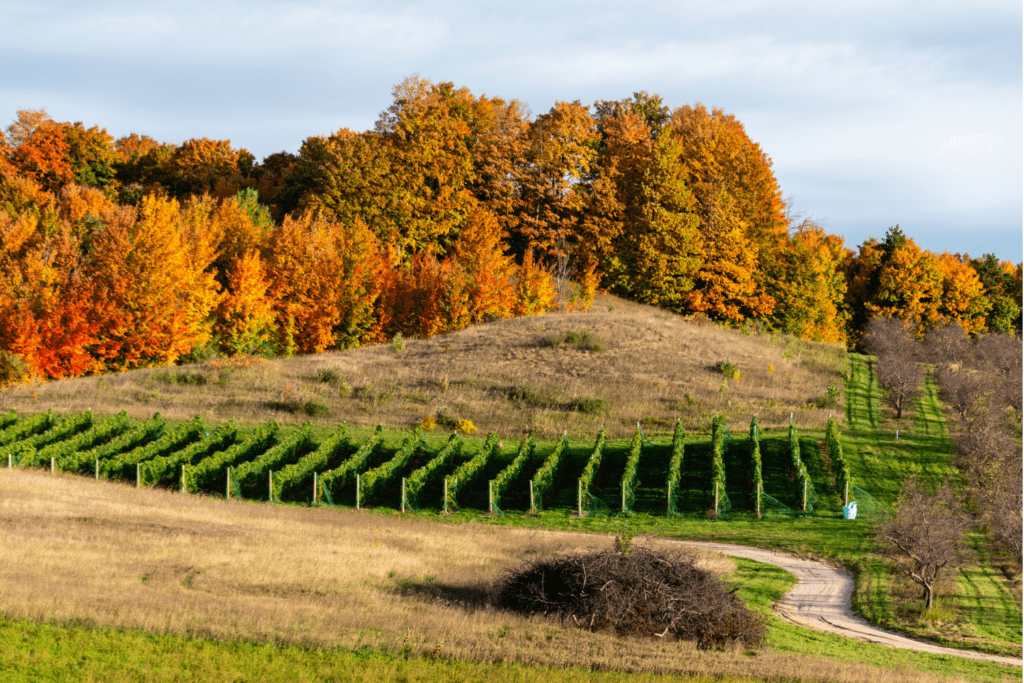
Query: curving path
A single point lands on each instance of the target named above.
(821, 600)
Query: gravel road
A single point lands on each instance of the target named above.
(821, 600)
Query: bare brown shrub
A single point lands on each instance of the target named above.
(635, 591)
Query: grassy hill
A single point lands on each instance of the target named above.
(614, 365)
(263, 574)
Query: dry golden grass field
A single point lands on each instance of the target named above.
(109, 555)
(631, 363)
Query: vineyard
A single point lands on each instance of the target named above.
(770, 473)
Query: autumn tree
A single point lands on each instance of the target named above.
(893, 278)
(925, 534)
(741, 213)
(561, 153)
(653, 249)
(811, 288)
(1002, 285)
(156, 295)
(245, 317)
(325, 280)
(490, 276)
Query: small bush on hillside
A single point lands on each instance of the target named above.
(632, 591)
(328, 376)
(582, 339)
(728, 368)
(397, 343)
(590, 406)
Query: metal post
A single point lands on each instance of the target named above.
(490, 496)
(357, 491)
(183, 478)
(445, 501)
(227, 493)
(97, 468)
(270, 491)
(623, 496)
(314, 488)
(533, 508)
(53, 465)
(846, 494)
(897, 435)
(403, 494)
(138, 475)
(805, 494)
(716, 497)
(579, 498)
(10, 461)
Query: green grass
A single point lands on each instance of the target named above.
(762, 585)
(31, 652)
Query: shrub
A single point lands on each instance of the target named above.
(642, 592)
(582, 339)
(590, 406)
(397, 343)
(728, 368)
(428, 424)
(328, 376)
(465, 426)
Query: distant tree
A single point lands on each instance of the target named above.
(899, 373)
(924, 536)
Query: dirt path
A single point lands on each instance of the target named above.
(821, 600)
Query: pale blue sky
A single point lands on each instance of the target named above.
(874, 113)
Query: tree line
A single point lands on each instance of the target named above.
(453, 209)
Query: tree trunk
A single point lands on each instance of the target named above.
(929, 597)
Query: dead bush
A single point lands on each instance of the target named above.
(640, 592)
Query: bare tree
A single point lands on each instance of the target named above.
(960, 389)
(899, 373)
(947, 346)
(925, 534)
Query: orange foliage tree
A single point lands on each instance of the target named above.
(325, 280)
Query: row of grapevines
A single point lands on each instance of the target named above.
(805, 489)
(24, 452)
(544, 480)
(331, 483)
(844, 480)
(589, 472)
(424, 475)
(84, 461)
(8, 419)
(675, 469)
(508, 476)
(62, 451)
(720, 440)
(26, 428)
(161, 471)
(124, 466)
(629, 483)
(209, 473)
(251, 474)
(755, 464)
(371, 483)
(469, 471)
(294, 476)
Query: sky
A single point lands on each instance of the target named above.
(873, 113)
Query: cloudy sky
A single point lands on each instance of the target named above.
(874, 113)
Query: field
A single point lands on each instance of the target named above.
(140, 558)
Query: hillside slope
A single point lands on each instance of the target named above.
(614, 365)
